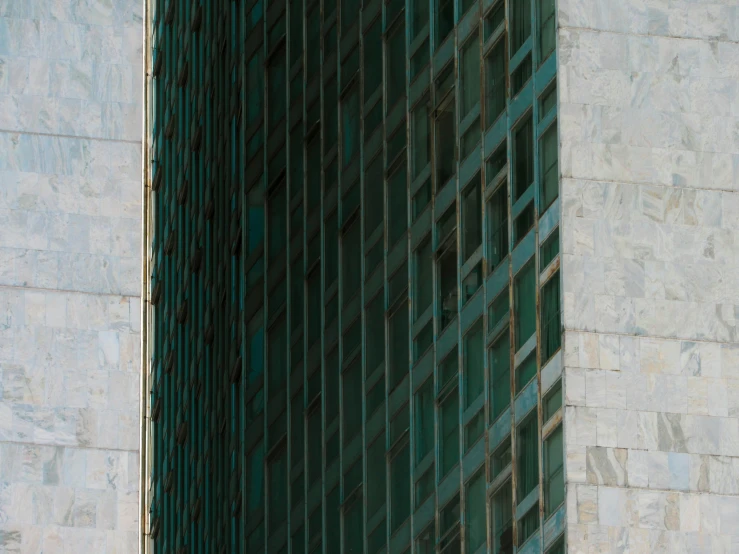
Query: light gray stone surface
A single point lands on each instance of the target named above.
(649, 138)
(70, 235)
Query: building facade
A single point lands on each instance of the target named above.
(70, 247)
(441, 276)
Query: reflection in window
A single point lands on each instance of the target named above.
(549, 169)
(419, 16)
(554, 485)
(527, 458)
(547, 31)
(498, 226)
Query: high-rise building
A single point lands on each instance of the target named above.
(442, 276)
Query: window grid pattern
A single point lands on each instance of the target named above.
(312, 391)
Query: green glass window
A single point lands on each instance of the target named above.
(276, 79)
(448, 368)
(444, 19)
(349, 13)
(475, 512)
(494, 18)
(498, 226)
(397, 205)
(255, 82)
(313, 174)
(527, 457)
(474, 429)
(353, 528)
(448, 284)
(420, 137)
(424, 420)
(469, 75)
(495, 82)
(398, 331)
(333, 521)
(523, 158)
(525, 372)
(419, 16)
(352, 401)
(473, 362)
(503, 520)
(332, 385)
(558, 547)
(296, 427)
(549, 167)
(351, 261)
(549, 249)
(298, 540)
(277, 358)
(552, 401)
(373, 199)
(375, 334)
(520, 25)
(315, 462)
(376, 538)
(372, 58)
(528, 524)
(446, 142)
(400, 487)
(498, 309)
(449, 431)
(554, 484)
(422, 268)
(547, 28)
(524, 303)
(395, 66)
(277, 490)
(313, 284)
(296, 30)
(551, 326)
(255, 479)
(425, 486)
(350, 122)
(524, 222)
(501, 458)
(548, 101)
(500, 371)
(422, 199)
(471, 217)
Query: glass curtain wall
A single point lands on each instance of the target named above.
(382, 294)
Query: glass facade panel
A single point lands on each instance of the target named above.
(374, 304)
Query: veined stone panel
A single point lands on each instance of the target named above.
(649, 105)
(70, 271)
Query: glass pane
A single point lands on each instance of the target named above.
(448, 285)
(255, 344)
(524, 303)
(500, 371)
(494, 18)
(331, 246)
(525, 372)
(255, 479)
(277, 222)
(376, 540)
(375, 476)
(473, 363)
(548, 101)
(277, 491)
(353, 477)
(471, 217)
(397, 205)
(551, 326)
(471, 283)
(400, 423)
(469, 75)
(374, 210)
(550, 249)
(444, 19)
(297, 491)
(470, 139)
(449, 430)
(333, 522)
(375, 315)
(353, 529)
(419, 16)
(400, 487)
(349, 12)
(255, 82)
(549, 168)
(552, 401)
(376, 397)
(277, 358)
(446, 142)
(298, 540)
(296, 427)
(314, 306)
(422, 199)
(498, 309)
(330, 115)
(332, 385)
(352, 401)
(448, 517)
(501, 457)
(372, 58)
(425, 485)
(474, 430)
(547, 31)
(423, 420)
(520, 76)
(498, 226)
(315, 461)
(475, 514)
(351, 262)
(449, 368)
(422, 285)
(554, 485)
(495, 82)
(523, 158)
(523, 222)
(527, 457)
(420, 59)
(503, 520)
(399, 355)
(423, 340)
(350, 125)
(558, 547)
(396, 66)
(313, 175)
(520, 23)
(420, 138)
(426, 541)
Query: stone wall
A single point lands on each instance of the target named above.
(70, 211)
(649, 133)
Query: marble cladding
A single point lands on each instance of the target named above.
(70, 235)
(649, 159)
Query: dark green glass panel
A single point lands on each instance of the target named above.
(398, 331)
(501, 458)
(296, 30)
(494, 18)
(424, 420)
(474, 430)
(549, 167)
(375, 333)
(374, 256)
(353, 477)
(554, 485)
(551, 325)
(350, 129)
(448, 368)
(423, 340)
(500, 371)
(498, 309)
(298, 541)
(372, 58)
(524, 306)
(471, 217)
(376, 476)
(353, 529)
(351, 261)
(277, 472)
(331, 248)
(448, 520)
(472, 283)
(352, 401)
(446, 142)
(552, 401)
(422, 268)
(425, 486)
(527, 457)
(558, 547)
(475, 512)
(523, 158)
(374, 210)
(426, 541)
(420, 59)
(520, 23)
(473, 360)
(449, 432)
(277, 358)
(444, 19)
(547, 28)
(529, 524)
(376, 539)
(525, 372)
(349, 13)
(470, 139)
(276, 79)
(332, 386)
(422, 199)
(315, 463)
(495, 82)
(330, 116)
(448, 284)
(521, 75)
(399, 423)
(397, 205)
(314, 306)
(523, 222)
(297, 491)
(333, 522)
(550, 249)
(469, 75)
(498, 226)
(547, 102)
(419, 16)
(314, 175)
(296, 427)
(313, 55)
(400, 487)
(255, 481)
(255, 82)
(502, 509)
(376, 397)
(420, 138)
